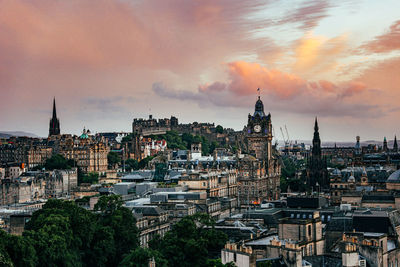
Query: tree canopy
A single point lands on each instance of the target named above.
(64, 234)
(58, 162)
(191, 242)
(185, 141)
(219, 129)
(113, 159)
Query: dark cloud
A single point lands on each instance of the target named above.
(308, 15)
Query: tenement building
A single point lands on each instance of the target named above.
(89, 152)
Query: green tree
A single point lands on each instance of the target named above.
(61, 224)
(5, 259)
(140, 257)
(144, 162)
(131, 164)
(160, 172)
(91, 178)
(58, 162)
(218, 263)
(113, 159)
(54, 242)
(21, 251)
(122, 223)
(16, 251)
(190, 242)
(127, 138)
(219, 129)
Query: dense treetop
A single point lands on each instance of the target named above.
(64, 234)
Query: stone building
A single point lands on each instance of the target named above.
(216, 183)
(259, 171)
(151, 221)
(90, 153)
(29, 152)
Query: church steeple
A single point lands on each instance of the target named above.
(54, 108)
(316, 126)
(54, 128)
(316, 149)
(395, 147)
(317, 174)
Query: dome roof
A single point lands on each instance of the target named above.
(351, 179)
(337, 172)
(85, 134)
(259, 108)
(394, 177)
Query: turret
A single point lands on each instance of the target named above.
(385, 146)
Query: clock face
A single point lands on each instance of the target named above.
(257, 128)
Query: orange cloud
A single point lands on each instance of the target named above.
(282, 91)
(318, 54)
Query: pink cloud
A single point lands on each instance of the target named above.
(281, 91)
(386, 42)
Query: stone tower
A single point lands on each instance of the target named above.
(385, 144)
(259, 133)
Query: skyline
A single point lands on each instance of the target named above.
(202, 61)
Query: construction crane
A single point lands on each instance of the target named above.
(287, 133)
(283, 136)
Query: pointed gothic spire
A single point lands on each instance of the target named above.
(316, 125)
(54, 108)
(54, 127)
(316, 150)
(395, 147)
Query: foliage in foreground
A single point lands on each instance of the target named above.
(64, 234)
(191, 242)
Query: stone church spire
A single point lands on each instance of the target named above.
(316, 149)
(54, 127)
(317, 173)
(395, 147)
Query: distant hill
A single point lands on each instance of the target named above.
(8, 134)
(339, 143)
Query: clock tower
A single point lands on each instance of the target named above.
(259, 133)
(260, 170)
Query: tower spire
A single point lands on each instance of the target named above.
(54, 108)
(395, 147)
(316, 125)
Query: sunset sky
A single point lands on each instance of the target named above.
(107, 62)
